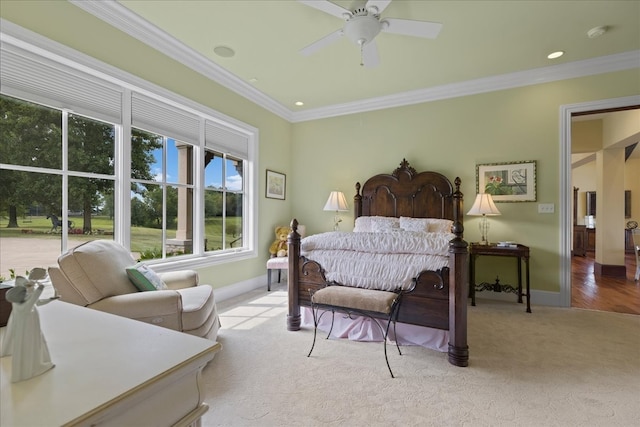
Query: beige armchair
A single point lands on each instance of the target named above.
(94, 275)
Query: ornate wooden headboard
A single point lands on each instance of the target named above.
(405, 192)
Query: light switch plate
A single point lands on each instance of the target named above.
(546, 208)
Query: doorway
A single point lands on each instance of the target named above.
(580, 286)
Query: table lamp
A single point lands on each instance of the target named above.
(338, 203)
(484, 206)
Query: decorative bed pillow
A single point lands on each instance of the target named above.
(429, 225)
(383, 224)
(437, 225)
(414, 224)
(375, 224)
(144, 278)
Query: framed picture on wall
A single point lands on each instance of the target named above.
(627, 203)
(591, 203)
(508, 182)
(276, 185)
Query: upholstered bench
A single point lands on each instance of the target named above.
(277, 263)
(367, 302)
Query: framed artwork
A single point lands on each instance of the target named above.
(276, 185)
(591, 203)
(508, 182)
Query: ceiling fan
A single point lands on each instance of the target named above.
(363, 25)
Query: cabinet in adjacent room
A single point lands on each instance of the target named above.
(591, 239)
(579, 240)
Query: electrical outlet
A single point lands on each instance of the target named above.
(546, 208)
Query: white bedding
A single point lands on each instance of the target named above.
(386, 261)
(362, 328)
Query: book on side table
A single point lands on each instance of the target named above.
(507, 244)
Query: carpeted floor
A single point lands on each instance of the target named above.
(553, 367)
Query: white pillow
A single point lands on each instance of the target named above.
(429, 225)
(383, 224)
(414, 224)
(372, 224)
(363, 224)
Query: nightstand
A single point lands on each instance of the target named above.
(520, 252)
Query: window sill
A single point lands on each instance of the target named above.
(195, 261)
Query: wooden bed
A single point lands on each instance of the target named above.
(439, 298)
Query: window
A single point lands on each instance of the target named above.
(88, 152)
(223, 204)
(56, 179)
(161, 196)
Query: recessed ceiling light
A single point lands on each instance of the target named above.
(299, 103)
(554, 55)
(224, 51)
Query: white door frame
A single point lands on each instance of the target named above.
(566, 191)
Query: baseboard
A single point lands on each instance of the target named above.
(231, 291)
(610, 270)
(546, 298)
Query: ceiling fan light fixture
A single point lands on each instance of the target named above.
(373, 10)
(362, 29)
(362, 26)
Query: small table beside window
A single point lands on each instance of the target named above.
(518, 251)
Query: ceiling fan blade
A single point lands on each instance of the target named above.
(323, 42)
(370, 56)
(407, 27)
(327, 7)
(378, 4)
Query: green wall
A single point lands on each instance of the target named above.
(450, 136)
(67, 24)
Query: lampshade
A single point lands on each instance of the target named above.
(483, 206)
(336, 202)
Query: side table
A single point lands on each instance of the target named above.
(520, 252)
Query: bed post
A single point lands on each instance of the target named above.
(459, 292)
(293, 252)
(357, 202)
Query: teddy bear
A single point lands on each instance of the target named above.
(279, 247)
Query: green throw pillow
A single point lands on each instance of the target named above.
(144, 278)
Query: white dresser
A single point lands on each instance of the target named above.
(109, 370)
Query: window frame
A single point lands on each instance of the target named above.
(76, 65)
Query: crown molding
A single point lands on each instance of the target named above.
(15, 38)
(603, 64)
(118, 16)
(113, 13)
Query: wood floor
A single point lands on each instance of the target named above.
(604, 293)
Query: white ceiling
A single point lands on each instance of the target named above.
(484, 45)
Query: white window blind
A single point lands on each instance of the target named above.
(221, 138)
(156, 116)
(26, 76)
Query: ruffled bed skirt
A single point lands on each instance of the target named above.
(362, 328)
